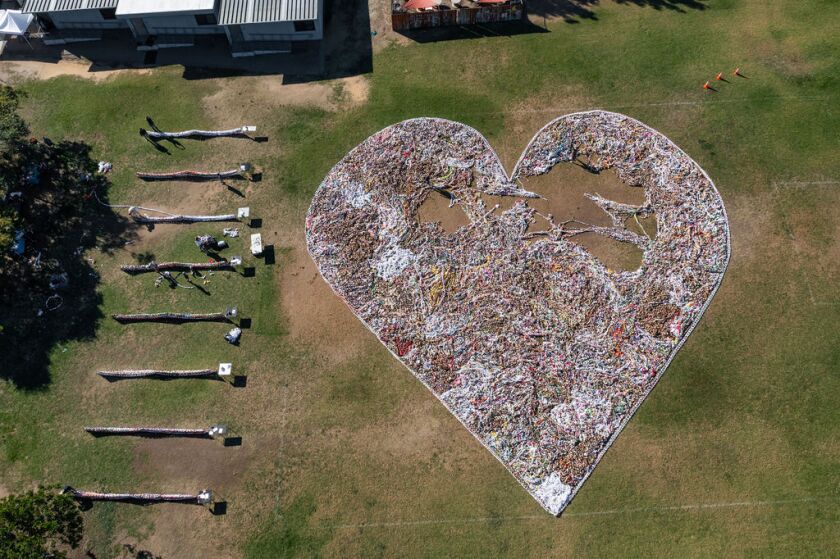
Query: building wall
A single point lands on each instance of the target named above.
(280, 31)
(181, 24)
(84, 19)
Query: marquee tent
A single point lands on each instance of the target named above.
(14, 23)
(421, 4)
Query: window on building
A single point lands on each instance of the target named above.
(109, 13)
(206, 19)
(301, 26)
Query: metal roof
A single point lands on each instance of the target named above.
(41, 6)
(234, 12)
(143, 8)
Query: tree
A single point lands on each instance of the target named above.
(39, 524)
(13, 130)
(50, 216)
(12, 127)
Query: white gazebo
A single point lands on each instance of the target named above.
(13, 24)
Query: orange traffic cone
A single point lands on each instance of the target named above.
(738, 73)
(719, 77)
(707, 86)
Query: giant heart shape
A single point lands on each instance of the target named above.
(537, 348)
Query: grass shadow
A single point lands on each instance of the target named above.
(269, 255)
(575, 11)
(240, 381)
(475, 31)
(232, 441)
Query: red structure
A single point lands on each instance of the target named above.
(422, 14)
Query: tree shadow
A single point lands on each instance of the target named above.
(144, 257)
(128, 551)
(570, 11)
(675, 5)
(574, 11)
(474, 31)
(62, 220)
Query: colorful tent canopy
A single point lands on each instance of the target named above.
(421, 4)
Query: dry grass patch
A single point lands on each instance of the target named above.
(22, 70)
(257, 96)
(436, 208)
(316, 316)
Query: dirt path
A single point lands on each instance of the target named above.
(22, 70)
(260, 94)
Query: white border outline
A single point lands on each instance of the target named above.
(576, 488)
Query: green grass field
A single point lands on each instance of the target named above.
(344, 453)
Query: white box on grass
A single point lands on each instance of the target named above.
(256, 244)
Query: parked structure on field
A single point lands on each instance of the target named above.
(419, 14)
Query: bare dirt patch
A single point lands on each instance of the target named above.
(21, 70)
(615, 255)
(192, 462)
(356, 88)
(187, 531)
(436, 208)
(187, 465)
(563, 190)
(416, 434)
(259, 94)
(563, 199)
(315, 313)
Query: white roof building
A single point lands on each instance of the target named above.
(139, 8)
(251, 26)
